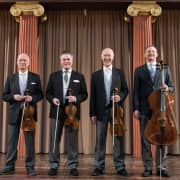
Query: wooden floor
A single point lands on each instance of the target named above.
(134, 168)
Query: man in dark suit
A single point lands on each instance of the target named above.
(13, 93)
(102, 84)
(147, 78)
(59, 84)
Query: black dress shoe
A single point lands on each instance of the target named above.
(7, 171)
(122, 172)
(31, 172)
(164, 173)
(97, 172)
(147, 173)
(74, 172)
(52, 172)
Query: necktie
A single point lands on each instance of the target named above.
(152, 70)
(66, 76)
(107, 80)
(65, 85)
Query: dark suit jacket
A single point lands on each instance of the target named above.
(12, 87)
(144, 86)
(98, 94)
(55, 90)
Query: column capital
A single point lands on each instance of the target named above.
(27, 8)
(144, 8)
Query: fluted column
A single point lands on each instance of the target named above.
(142, 12)
(27, 13)
(28, 38)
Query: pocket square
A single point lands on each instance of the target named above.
(76, 81)
(33, 83)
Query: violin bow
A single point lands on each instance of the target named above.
(113, 115)
(20, 131)
(55, 132)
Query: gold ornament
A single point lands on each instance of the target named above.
(144, 8)
(27, 8)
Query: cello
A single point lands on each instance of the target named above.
(161, 128)
(70, 111)
(117, 126)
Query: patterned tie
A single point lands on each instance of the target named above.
(65, 86)
(66, 76)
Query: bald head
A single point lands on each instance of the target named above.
(23, 62)
(107, 56)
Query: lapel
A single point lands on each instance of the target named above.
(17, 83)
(29, 78)
(157, 78)
(146, 74)
(101, 81)
(114, 76)
(71, 79)
(60, 84)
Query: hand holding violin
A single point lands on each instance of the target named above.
(18, 97)
(28, 98)
(71, 98)
(116, 98)
(164, 87)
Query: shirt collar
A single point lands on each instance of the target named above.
(23, 73)
(107, 68)
(69, 70)
(153, 64)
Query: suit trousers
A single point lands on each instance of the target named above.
(71, 139)
(161, 153)
(13, 137)
(100, 147)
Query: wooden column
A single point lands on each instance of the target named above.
(28, 38)
(142, 13)
(27, 14)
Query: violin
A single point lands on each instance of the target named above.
(28, 121)
(161, 128)
(117, 126)
(70, 111)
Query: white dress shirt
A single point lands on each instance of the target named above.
(107, 81)
(152, 69)
(23, 76)
(66, 83)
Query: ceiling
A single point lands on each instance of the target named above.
(90, 4)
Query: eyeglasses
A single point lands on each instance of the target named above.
(22, 60)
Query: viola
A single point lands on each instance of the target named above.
(28, 121)
(117, 126)
(71, 111)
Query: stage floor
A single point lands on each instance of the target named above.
(133, 165)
